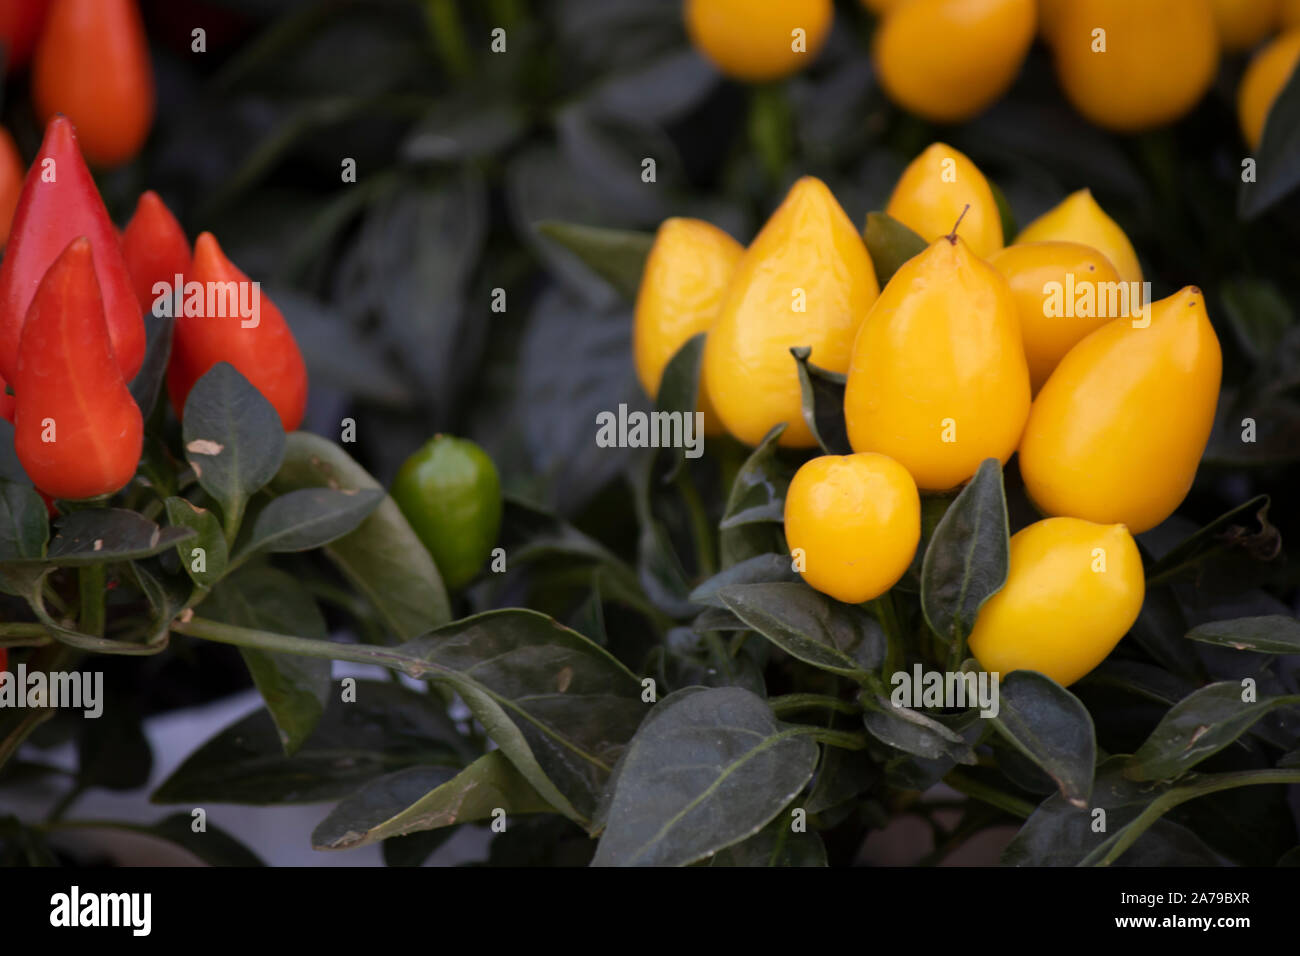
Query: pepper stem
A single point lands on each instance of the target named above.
(952, 236)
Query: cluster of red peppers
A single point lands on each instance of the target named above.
(73, 292)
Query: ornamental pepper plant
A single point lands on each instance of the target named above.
(650, 433)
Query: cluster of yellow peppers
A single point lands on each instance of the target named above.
(1125, 65)
(1048, 347)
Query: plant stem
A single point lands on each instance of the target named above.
(23, 635)
(702, 530)
(303, 646)
(794, 703)
(844, 739)
(1113, 848)
(91, 583)
(17, 725)
(990, 795)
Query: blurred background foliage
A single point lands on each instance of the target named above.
(461, 151)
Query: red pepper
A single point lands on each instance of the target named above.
(59, 202)
(12, 170)
(265, 353)
(4, 660)
(77, 430)
(155, 248)
(92, 63)
(20, 25)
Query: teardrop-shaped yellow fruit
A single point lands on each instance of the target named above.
(1289, 15)
(1131, 65)
(854, 522)
(938, 380)
(1049, 18)
(1074, 588)
(881, 7)
(685, 279)
(1063, 292)
(936, 188)
(1119, 428)
(1078, 218)
(759, 41)
(948, 60)
(806, 279)
(1263, 81)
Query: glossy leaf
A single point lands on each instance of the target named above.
(24, 523)
(310, 517)
(1223, 534)
(913, 732)
(711, 769)
(233, 438)
(1198, 727)
(679, 392)
(101, 536)
(1049, 725)
(1269, 634)
(208, 537)
(616, 255)
(559, 706)
(148, 382)
(382, 557)
(891, 244)
(388, 727)
(841, 638)
(427, 798)
(758, 493)
(760, 569)
(295, 688)
(1278, 171)
(823, 403)
(968, 557)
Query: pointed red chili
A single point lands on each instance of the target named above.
(20, 25)
(155, 248)
(77, 430)
(266, 353)
(59, 202)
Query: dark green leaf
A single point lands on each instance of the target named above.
(158, 349)
(104, 535)
(891, 244)
(428, 798)
(967, 560)
(295, 688)
(1222, 535)
(712, 768)
(382, 558)
(309, 518)
(388, 727)
(233, 438)
(560, 707)
(840, 638)
(212, 845)
(1278, 171)
(616, 255)
(841, 776)
(823, 403)
(1198, 727)
(679, 393)
(760, 569)
(1049, 725)
(758, 493)
(24, 523)
(913, 732)
(1259, 315)
(209, 538)
(690, 658)
(1270, 634)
